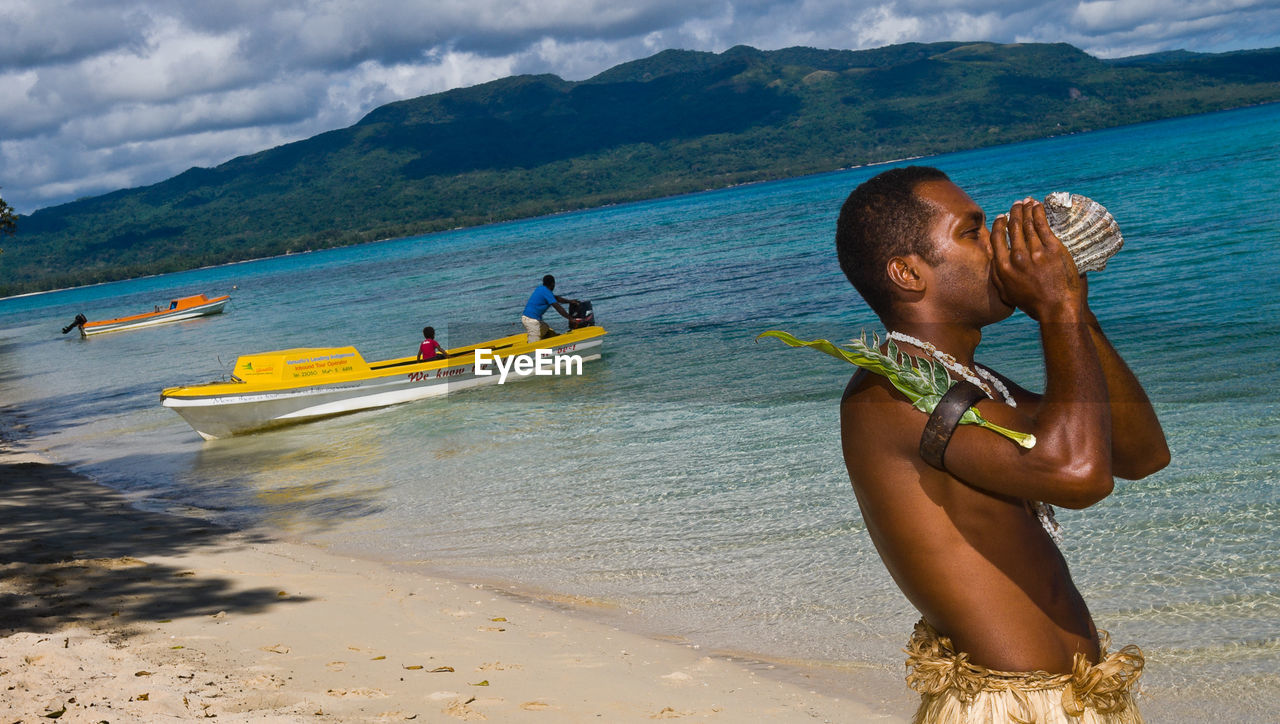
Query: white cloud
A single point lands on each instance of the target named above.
(882, 26)
(273, 104)
(1107, 16)
(100, 94)
(40, 32)
(174, 62)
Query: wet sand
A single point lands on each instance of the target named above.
(109, 612)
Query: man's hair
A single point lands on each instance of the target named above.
(549, 282)
(429, 332)
(881, 219)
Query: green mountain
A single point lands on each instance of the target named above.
(675, 122)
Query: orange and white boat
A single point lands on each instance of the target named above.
(179, 309)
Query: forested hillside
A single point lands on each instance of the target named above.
(675, 122)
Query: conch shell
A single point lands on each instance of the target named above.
(1085, 227)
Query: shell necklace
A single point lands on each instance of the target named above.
(1043, 510)
(964, 372)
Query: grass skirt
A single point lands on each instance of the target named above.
(955, 691)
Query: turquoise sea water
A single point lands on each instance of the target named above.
(690, 483)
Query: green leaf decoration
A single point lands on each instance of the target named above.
(922, 381)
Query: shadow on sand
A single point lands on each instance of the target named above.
(71, 554)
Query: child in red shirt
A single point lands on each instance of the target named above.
(430, 349)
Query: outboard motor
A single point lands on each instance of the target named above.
(580, 315)
(78, 322)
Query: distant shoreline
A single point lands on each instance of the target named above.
(673, 125)
(604, 206)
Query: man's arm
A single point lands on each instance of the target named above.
(1138, 446)
(563, 300)
(1070, 464)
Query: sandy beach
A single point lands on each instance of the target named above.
(113, 613)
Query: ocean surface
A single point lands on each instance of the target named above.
(690, 483)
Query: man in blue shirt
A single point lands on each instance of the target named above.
(542, 298)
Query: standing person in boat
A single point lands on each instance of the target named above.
(543, 297)
(430, 349)
(969, 537)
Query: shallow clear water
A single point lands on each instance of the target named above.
(693, 477)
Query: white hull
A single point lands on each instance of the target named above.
(218, 416)
(177, 316)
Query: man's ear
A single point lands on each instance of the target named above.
(907, 272)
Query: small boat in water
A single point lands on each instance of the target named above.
(293, 385)
(179, 309)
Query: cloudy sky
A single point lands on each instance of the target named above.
(97, 95)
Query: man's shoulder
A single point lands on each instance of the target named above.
(856, 382)
(865, 386)
(873, 413)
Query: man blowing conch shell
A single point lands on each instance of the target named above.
(1005, 634)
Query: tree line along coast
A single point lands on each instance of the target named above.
(675, 122)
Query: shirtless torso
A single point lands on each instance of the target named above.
(963, 543)
(978, 565)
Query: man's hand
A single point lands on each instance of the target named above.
(1032, 269)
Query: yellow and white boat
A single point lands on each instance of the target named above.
(274, 388)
